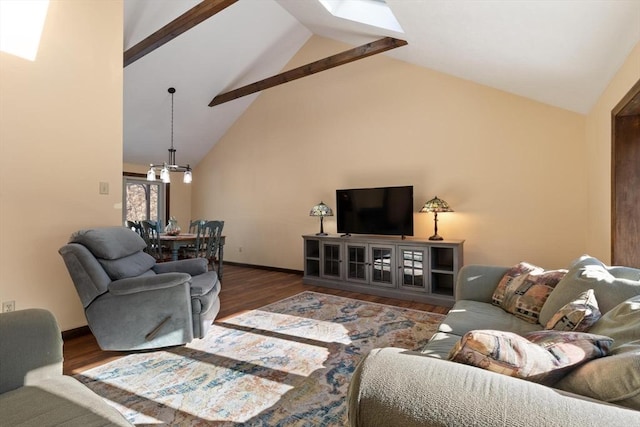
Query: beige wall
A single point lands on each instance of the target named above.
(180, 197)
(598, 148)
(511, 168)
(60, 135)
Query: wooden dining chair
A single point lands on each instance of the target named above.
(151, 237)
(137, 227)
(195, 250)
(211, 233)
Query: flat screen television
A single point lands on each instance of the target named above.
(384, 210)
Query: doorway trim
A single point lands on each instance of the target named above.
(629, 105)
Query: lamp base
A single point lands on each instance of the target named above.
(436, 237)
(321, 234)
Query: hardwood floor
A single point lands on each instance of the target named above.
(243, 289)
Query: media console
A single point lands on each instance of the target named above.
(411, 268)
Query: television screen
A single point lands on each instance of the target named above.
(385, 210)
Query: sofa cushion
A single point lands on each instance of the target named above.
(469, 315)
(109, 242)
(622, 324)
(614, 379)
(542, 356)
(611, 286)
(57, 401)
(577, 315)
(440, 345)
(130, 266)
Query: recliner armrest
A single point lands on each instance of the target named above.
(193, 266)
(134, 285)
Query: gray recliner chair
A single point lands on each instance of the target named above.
(130, 301)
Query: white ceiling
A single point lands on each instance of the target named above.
(561, 52)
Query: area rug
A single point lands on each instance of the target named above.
(286, 364)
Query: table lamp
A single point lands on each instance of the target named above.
(436, 205)
(321, 210)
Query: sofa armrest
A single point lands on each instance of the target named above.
(192, 266)
(30, 348)
(396, 387)
(477, 282)
(132, 285)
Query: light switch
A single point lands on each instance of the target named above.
(104, 188)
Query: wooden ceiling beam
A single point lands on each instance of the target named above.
(203, 11)
(336, 60)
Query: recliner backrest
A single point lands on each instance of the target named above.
(109, 242)
(98, 256)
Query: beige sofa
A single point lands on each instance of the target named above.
(396, 387)
(33, 391)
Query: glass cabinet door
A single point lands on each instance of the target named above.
(382, 263)
(357, 263)
(412, 267)
(332, 260)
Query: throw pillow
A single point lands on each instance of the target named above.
(516, 273)
(577, 315)
(543, 357)
(525, 295)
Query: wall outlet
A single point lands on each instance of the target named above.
(240, 249)
(8, 306)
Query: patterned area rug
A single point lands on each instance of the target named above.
(285, 364)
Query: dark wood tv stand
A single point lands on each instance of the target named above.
(406, 268)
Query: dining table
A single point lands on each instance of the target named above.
(175, 242)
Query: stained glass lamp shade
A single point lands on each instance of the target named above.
(436, 205)
(321, 210)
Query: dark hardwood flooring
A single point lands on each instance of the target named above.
(243, 289)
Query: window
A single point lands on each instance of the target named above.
(21, 24)
(142, 199)
(370, 12)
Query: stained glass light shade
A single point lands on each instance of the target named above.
(436, 205)
(321, 210)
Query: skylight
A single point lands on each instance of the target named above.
(370, 12)
(21, 24)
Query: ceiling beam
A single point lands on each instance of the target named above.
(192, 17)
(342, 58)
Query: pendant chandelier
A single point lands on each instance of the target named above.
(171, 165)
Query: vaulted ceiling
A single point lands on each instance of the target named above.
(561, 52)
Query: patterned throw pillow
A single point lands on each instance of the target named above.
(543, 356)
(525, 288)
(517, 273)
(577, 315)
